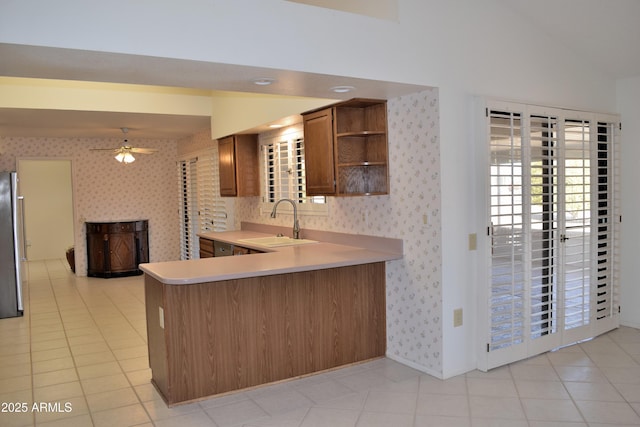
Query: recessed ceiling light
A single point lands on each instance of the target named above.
(342, 89)
(276, 126)
(263, 81)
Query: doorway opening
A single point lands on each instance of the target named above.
(46, 185)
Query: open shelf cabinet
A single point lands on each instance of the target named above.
(352, 146)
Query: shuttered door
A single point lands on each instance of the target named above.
(188, 206)
(507, 288)
(543, 193)
(576, 235)
(201, 209)
(552, 264)
(212, 208)
(607, 227)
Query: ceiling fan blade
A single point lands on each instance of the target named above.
(143, 150)
(114, 150)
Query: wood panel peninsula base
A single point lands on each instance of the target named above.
(233, 334)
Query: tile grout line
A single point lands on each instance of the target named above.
(33, 388)
(90, 311)
(66, 337)
(564, 386)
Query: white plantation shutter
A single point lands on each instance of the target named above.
(284, 172)
(607, 208)
(188, 205)
(543, 202)
(201, 207)
(552, 234)
(212, 208)
(221, 218)
(577, 231)
(284, 166)
(506, 301)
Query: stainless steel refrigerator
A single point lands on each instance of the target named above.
(11, 255)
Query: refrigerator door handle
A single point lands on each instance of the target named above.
(24, 229)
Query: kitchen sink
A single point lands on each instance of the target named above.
(274, 241)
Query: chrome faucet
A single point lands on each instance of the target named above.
(296, 225)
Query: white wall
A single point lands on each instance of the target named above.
(464, 48)
(629, 108)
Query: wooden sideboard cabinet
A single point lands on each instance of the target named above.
(115, 249)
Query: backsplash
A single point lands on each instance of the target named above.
(414, 294)
(105, 190)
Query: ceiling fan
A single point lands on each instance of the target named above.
(124, 153)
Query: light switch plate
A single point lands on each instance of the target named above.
(457, 317)
(161, 314)
(473, 241)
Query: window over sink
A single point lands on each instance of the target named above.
(283, 171)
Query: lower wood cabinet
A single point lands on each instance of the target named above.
(213, 248)
(206, 248)
(115, 249)
(215, 337)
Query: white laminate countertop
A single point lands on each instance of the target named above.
(278, 260)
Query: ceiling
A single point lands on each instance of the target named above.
(97, 124)
(603, 34)
(204, 77)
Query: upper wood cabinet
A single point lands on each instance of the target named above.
(318, 156)
(346, 149)
(239, 169)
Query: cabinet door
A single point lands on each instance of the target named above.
(247, 167)
(318, 147)
(142, 238)
(122, 252)
(227, 162)
(206, 248)
(96, 245)
(239, 250)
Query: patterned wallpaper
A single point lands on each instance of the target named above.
(414, 295)
(105, 190)
(196, 143)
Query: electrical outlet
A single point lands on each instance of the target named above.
(457, 317)
(473, 241)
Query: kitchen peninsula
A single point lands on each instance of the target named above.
(217, 325)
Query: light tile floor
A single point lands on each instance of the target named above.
(80, 350)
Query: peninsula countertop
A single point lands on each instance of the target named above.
(274, 260)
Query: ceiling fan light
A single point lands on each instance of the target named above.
(125, 156)
(128, 158)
